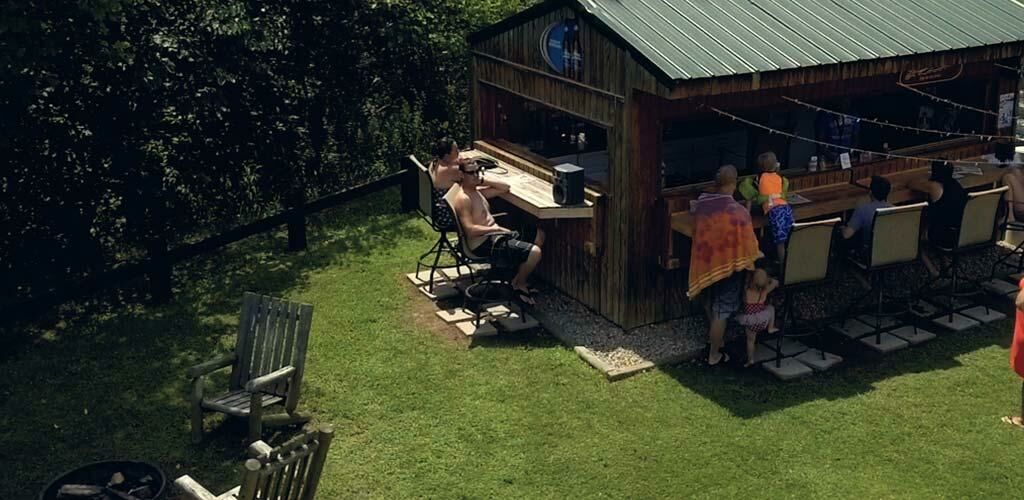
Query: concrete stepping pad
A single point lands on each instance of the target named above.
(851, 328)
(999, 287)
(924, 309)
(455, 315)
(470, 329)
(423, 277)
(441, 292)
(497, 310)
(455, 273)
(886, 321)
(888, 343)
(943, 303)
(764, 353)
(812, 358)
(788, 369)
(912, 336)
(983, 314)
(513, 322)
(790, 347)
(959, 323)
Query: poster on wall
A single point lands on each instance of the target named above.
(562, 48)
(1005, 111)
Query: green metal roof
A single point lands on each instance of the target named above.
(687, 39)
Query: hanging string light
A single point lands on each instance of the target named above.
(846, 148)
(947, 101)
(882, 123)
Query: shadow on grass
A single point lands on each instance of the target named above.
(105, 378)
(749, 393)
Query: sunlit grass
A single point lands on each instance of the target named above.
(419, 415)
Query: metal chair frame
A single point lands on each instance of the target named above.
(789, 291)
(953, 268)
(877, 278)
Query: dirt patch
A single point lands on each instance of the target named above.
(423, 314)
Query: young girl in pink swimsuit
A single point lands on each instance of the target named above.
(757, 315)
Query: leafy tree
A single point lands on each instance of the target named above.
(127, 126)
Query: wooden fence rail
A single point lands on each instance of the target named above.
(158, 266)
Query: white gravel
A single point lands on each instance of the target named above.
(685, 338)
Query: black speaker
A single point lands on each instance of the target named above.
(568, 184)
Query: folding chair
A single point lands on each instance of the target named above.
(808, 262)
(895, 243)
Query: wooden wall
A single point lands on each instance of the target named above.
(604, 275)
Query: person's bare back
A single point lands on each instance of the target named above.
(1015, 180)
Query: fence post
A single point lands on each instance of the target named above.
(410, 188)
(297, 223)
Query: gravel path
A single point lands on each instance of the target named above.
(681, 339)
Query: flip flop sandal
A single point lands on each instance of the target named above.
(525, 297)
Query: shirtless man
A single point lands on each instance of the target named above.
(486, 238)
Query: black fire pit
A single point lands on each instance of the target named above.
(113, 480)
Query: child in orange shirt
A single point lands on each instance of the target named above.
(771, 188)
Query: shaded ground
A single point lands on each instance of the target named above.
(418, 414)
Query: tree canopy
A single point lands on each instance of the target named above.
(128, 125)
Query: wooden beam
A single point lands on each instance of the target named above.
(545, 74)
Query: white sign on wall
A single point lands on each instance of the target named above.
(1005, 111)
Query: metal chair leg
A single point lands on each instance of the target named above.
(878, 312)
(952, 291)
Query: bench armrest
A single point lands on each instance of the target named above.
(272, 378)
(211, 366)
(193, 490)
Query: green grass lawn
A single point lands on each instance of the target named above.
(418, 414)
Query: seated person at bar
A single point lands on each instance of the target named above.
(858, 229)
(486, 237)
(1004, 156)
(444, 173)
(946, 202)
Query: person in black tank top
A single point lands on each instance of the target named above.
(946, 202)
(946, 213)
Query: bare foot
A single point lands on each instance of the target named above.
(773, 329)
(748, 364)
(1014, 421)
(722, 359)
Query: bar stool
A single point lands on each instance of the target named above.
(808, 263)
(443, 245)
(496, 277)
(895, 243)
(979, 229)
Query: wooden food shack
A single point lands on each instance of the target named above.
(633, 91)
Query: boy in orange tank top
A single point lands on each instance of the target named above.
(770, 185)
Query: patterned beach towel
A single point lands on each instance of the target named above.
(723, 241)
